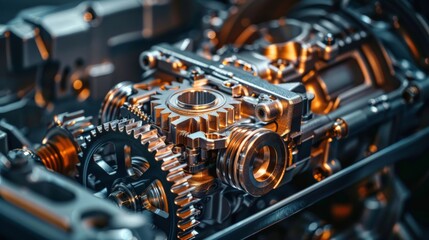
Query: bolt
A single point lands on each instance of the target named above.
(17, 160)
(329, 39)
(410, 94)
(339, 129)
(197, 73)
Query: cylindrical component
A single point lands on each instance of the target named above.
(60, 148)
(59, 152)
(148, 59)
(355, 122)
(254, 161)
(115, 98)
(140, 195)
(268, 111)
(122, 199)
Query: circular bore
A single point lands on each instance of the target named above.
(195, 100)
(264, 163)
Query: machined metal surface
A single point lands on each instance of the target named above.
(301, 119)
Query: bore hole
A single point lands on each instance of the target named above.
(196, 99)
(261, 113)
(264, 163)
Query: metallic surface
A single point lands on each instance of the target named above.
(313, 194)
(301, 119)
(144, 175)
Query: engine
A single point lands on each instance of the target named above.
(214, 119)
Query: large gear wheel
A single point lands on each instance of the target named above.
(185, 107)
(130, 163)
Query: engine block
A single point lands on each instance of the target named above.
(215, 119)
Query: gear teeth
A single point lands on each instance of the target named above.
(185, 201)
(155, 144)
(75, 122)
(187, 212)
(149, 138)
(179, 167)
(178, 177)
(188, 224)
(188, 235)
(132, 126)
(174, 122)
(168, 165)
(122, 123)
(93, 133)
(181, 189)
(173, 156)
(102, 128)
(137, 112)
(138, 131)
(165, 153)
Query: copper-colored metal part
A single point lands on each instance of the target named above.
(202, 181)
(254, 161)
(183, 107)
(59, 149)
(326, 166)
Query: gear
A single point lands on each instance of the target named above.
(183, 107)
(75, 123)
(130, 163)
(134, 111)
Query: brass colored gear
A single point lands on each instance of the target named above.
(183, 107)
(141, 172)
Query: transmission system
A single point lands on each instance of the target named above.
(218, 119)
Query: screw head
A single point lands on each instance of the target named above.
(17, 161)
(329, 39)
(18, 158)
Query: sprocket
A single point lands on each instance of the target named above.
(129, 162)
